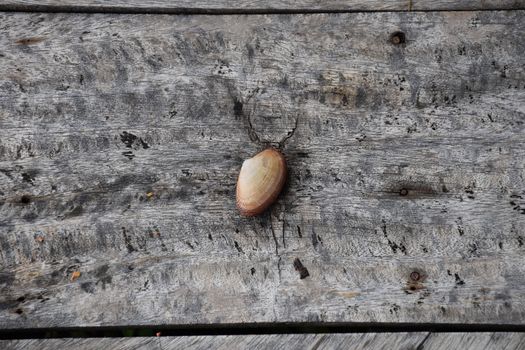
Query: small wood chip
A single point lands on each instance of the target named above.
(75, 275)
(149, 194)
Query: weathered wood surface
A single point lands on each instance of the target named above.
(474, 341)
(121, 137)
(257, 6)
(357, 341)
(369, 341)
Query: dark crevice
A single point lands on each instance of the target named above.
(252, 328)
(252, 133)
(279, 269)
(274, 237)
(283, 141)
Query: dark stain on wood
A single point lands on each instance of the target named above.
(75, 211)
(413, 190)
(393, 245)
(458, 279)
(298, 266)
(102, 276)
(127, 241)
(7, 278)
(133, 141)
(128, 154)
(30, 41)
(238, 247)
(88, 287)
(315, 240)
(26, 177)
(25, 199)
(237, 108)
(47, 280)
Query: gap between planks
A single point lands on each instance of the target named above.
(240, 329)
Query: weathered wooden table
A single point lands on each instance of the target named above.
(123, 126)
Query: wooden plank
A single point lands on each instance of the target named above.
(372, 341)
(357, 341)
(121, 138)
(474, 341)
(256, 6)
(84, 343)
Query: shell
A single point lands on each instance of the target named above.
(260, 181)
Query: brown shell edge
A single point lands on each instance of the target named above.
(262, 208)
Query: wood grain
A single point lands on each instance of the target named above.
(474, 341)
(87, 343)
(357, 341)
(256, 6)
(121, 137)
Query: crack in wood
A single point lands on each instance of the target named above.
(420, 345)
(284, 223)
(279, 270)
(276, 247)
(274, 236)
(252, 133)
(290, 134)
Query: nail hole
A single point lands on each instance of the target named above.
(415, 276)
(412, 288)
(21, 299)
(397, 38)
(19, 311)
(25, 199)
(403, 192)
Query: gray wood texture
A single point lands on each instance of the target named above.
(372, 341)
(357, 341)
(250, 6)
(475, 341)
(121, 137)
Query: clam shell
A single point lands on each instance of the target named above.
(260, 181)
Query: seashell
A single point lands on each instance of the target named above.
(260, 181)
